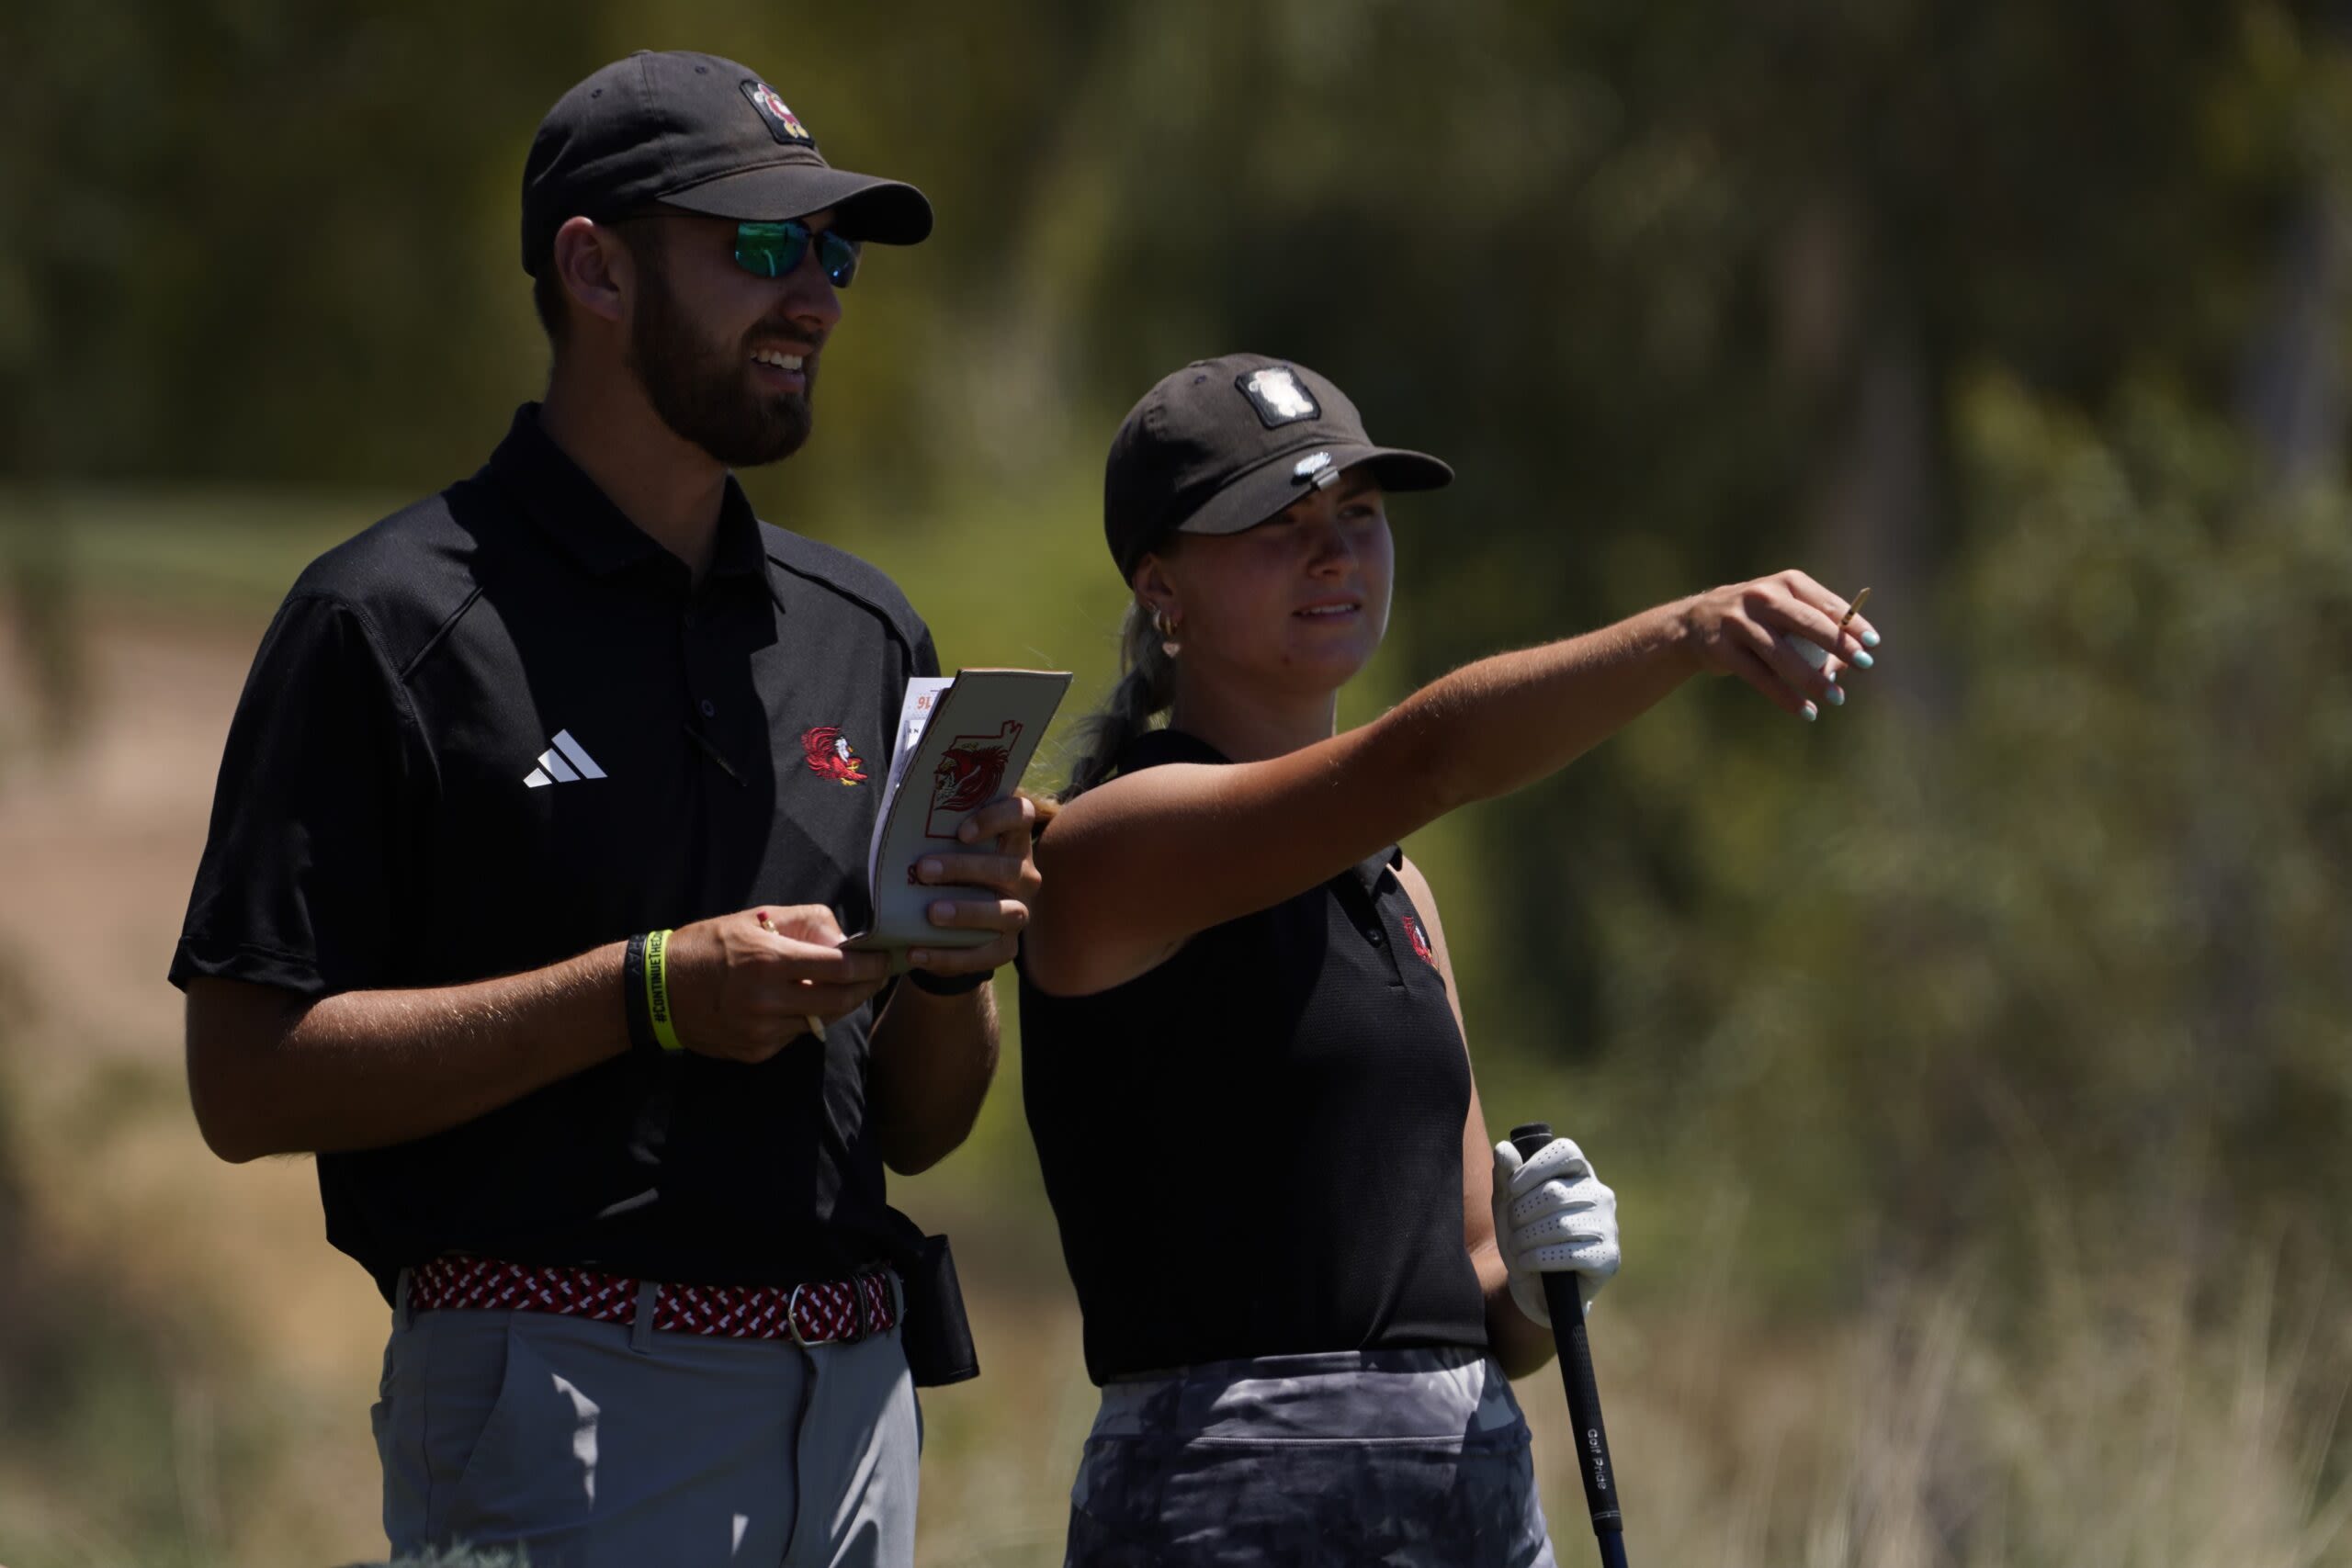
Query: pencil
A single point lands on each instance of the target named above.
(815, 1024)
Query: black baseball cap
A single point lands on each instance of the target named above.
(1225, 443)
(701, 134)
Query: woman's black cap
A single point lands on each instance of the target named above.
(1225, 443)
(701, 134)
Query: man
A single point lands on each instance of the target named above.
(622, 1183)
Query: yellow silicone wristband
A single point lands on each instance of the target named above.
(657, 991)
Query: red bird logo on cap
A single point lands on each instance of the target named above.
(783, 124)
(831, 757)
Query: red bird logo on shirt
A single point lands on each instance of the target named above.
(831, 757)
(1420, 939)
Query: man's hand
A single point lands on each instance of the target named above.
(1781, 634)
(742, 992)
(1002, 860)
(1553, 1216)
(933, 1058)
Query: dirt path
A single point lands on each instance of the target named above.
(98, 844)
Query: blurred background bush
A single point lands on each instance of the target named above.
(1974, 1065)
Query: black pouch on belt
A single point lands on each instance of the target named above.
(936, 1336)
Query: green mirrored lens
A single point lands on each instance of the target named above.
(770, 250)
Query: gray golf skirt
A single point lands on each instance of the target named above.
(1413, 1458)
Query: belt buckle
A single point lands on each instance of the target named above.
(792, 1317)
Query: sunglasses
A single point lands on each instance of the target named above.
(772, 250)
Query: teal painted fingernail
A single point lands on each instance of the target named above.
(1861, 661)
(932, 868)
(943, 911)
(1838, 697)
(1810, 713)
(1869, 639)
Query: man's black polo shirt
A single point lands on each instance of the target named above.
(502, 728)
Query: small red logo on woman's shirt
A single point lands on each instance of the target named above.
(1414, 934)
(831, 757)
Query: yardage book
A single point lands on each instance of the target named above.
(960, 744)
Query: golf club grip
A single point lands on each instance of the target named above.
(1564, 1296)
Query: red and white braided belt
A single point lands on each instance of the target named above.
(818, 1314)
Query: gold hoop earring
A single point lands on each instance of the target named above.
(1167, 630)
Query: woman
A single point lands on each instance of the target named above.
(1304, 1273)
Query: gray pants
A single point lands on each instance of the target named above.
(594, 1445)
(1418, 1459)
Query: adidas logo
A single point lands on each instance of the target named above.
(563, 762)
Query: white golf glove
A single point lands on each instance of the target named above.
(1553, 1216)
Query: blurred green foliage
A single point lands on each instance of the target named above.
(2030, 967)
(2030, 317)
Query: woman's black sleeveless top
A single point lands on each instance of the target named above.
(1256, 1149)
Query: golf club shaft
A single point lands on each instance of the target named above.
(1564, 1296)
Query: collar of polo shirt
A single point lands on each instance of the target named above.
(550, 489)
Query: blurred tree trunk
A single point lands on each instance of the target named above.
(1850, 357)
(2291, 390)
(1853, 356)
(2291, 403)
(41, 606)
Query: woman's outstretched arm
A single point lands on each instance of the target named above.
(1133, 868)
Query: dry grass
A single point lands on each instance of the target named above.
(2106, 1423)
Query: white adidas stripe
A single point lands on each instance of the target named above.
(580, 759)
(566, 761)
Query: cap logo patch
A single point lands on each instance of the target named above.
(1278, 397)
(782, 123)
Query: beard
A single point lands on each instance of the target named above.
(703, 391)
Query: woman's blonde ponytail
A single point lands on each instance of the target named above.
(1147, 689)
